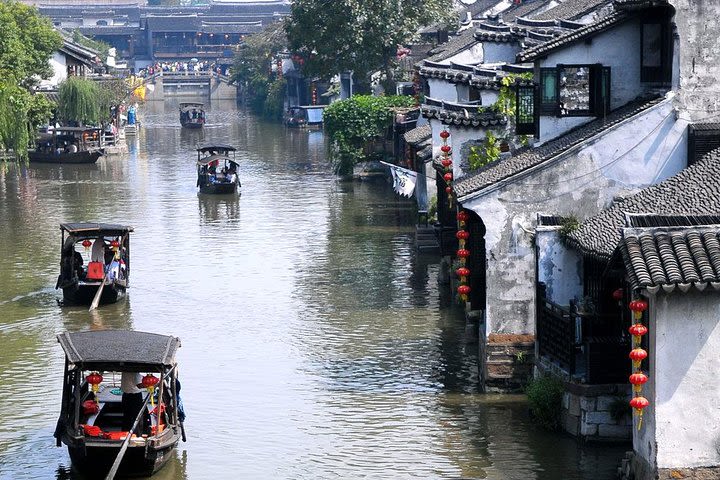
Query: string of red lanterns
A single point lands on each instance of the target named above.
(446, 162)
(463, 272)
(637, 355)
(95, 379)
(149, 381)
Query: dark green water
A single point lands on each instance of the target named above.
(316, 343)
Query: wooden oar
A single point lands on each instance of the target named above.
(126, 442)
(98, 294)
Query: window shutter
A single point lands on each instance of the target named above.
(702, 139)
(599, 90)
(549, 91)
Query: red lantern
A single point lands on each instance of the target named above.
(115, 245)
(446, 162)
(638, 403)
(462, 272)
(638, 305)
(638, 330)
(445, 148)
(638, 379)
(448, 177)
(448, 189)
(463, 253)
(86, 243)
(149, 381)
(618, 294)
(462, 234)
(444, 134)
(463, 216)
(637, 355)
(95, 379)
(464, 289)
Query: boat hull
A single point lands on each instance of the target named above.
(65, 157)
(192, 125)
(97, 461)
(84, 294)
(219, 188)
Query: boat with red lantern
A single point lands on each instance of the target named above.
(94, 408)
(217, 170)
(94, 256)
(68, 145)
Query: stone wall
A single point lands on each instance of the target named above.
(587, 412)
(508, 362)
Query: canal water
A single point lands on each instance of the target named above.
(316, 343)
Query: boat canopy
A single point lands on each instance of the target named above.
(211, 158)
(191, 104)
(113, 350)
(110, 229)
(216, 148)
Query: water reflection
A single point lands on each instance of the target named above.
(214, 208)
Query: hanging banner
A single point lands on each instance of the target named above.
(404, 180)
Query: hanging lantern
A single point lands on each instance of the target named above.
(463, 216)
(448, 177)
(638, 404)
(638, 307)
(445, 148)
(95, 379)
(464, 290)
(618, 294)
(637, 355)
(462, 234)
(86, 243)
(463, 273)
(638, 379)
(446, 162)
(115, 245)
(463, 253)
(638, 330)
(448, 189)
(149, 381)
(444, 134)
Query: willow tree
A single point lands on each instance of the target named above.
(26, 44)
(79, 101)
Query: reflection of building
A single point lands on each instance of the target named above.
(145, 33)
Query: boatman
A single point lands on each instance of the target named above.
(132, 400)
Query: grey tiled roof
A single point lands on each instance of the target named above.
(465, 115)
(523, 10)
(669, 257)
(531, 157)
(633, 4)
(575, 36)
(453, 46)
(418, 134)
(693, 191)
(571, 9)
(480, 76)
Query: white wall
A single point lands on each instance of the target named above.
(559, 267)
(553, 127)
(632, 155)
(470, 56)
(685, 405)
(442, 90)
(497, 52)
(59, 68)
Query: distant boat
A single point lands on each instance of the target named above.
(217, 172)
(305, 116)
(107, 260)
(68, 145)
(192, 115)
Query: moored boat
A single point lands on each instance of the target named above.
(94, 255)
(217, 171)
(68, 145)
(308, 116)
(99, 416)
(192, 114)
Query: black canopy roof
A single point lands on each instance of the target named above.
(119, 349)
(211, 158)
(84, 228)
(218, 148)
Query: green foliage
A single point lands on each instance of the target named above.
(273, 106)
(432, 209)
(251, 69)
(568, 225)
(507, 98)
(79, 101)
(545, 397)
(488, 152)
(358, 35)
(26, 44)
(353, 122)
(101, 47)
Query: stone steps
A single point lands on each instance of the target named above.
(426, 240)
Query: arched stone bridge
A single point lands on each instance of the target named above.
(204, 84)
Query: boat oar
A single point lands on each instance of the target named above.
(98, 294)
(126, 442)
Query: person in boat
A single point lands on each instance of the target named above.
(72, 148)
(132, 399)
(78, 264)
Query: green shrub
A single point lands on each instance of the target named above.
(545, 397)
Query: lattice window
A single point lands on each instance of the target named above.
(526, 115)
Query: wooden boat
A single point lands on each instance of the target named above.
(217, 172)
(192, 115)
(68, 145)
(93, 253)
(92, 411)
(309, 116)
